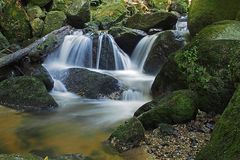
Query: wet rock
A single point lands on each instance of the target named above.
(127, 38)
(90, 84)
(176, 107)
(54, 20)
(166, 43)
(146, 21)
(127, 136)
(26, 94)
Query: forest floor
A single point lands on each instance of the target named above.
(181, 141)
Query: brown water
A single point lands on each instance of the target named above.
(75, 128)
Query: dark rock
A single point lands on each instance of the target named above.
(90, 84)
(176, 107)
(146, 21)
(205, 12)
(166, 43)
(164, 130)
(224, 143)
(127, 136)
(126, 38)
(26, 94)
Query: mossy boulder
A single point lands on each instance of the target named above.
(3, 42)
(205, 12)
(110, 13)
(14, 22)
(208, 65)
(180, 6)
(26, 94)
(77, 11)
(35, 12)
(126, 38)
(159, 4)
(166, 43)
(173, 108)
(54, 20)
(127, 136)
(146, 21)
(40, 3)
(37, 27)
(224, 143)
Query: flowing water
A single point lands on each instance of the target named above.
(80, 125)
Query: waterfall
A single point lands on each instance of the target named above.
(142, 50)
(98, 51)
(181, 24)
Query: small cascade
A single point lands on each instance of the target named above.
(131, 95)
(98, 51)
(142, 50)
(59, 86)
(181, 24)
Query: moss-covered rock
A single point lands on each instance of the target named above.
(160, 4)
(180, 6)
(224, 143)
(37, 27)
(205, 12)
(35, 12)
(126, 38)
(40, 3)
(77, 11)
(25, 94)
(208, 66)
(54, 20)
(110, 13)
(146, 21)
(127, 136)
(14, 22)
(3, 42)
(176, 107)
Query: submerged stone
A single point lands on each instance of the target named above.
(26, 94)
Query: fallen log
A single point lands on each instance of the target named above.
(39, 49)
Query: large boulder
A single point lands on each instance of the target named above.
(205, 12)
(90, 84)
(208, 65)
(127, 38)
(54, 20)
(77, 11)
(109, 14)
(176, 107)
(37, 27)
(224, 143)
(14, 22)
(166, 43)
(26, 94)
(41, 3)
(127, 136)
(146, 21)
(3, 42)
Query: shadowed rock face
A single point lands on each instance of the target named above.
(90, 84)
(26, 94)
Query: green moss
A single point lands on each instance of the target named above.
(224, 143)
(40, 3)
(159, 4)
(176, 107)
(37, 27)
(3, 42)
(18, 157)
(54, 20)
(25, 93)
(160, 19)
(14, 22)
(130, 133)
(205, 12)
(35, 12)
